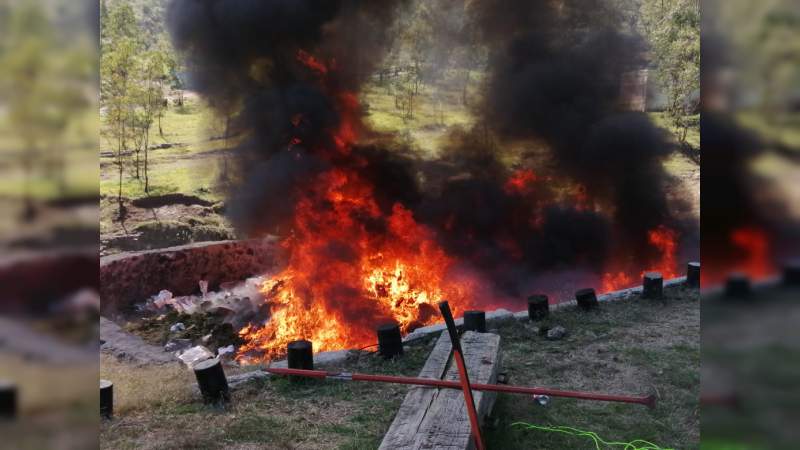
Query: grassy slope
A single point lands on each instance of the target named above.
(189, 167)
(629, 347)
(79, 149)
(752, 349)
(645, 346)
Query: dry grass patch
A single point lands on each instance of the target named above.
(146, 387)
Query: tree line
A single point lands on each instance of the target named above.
(136, 73)
(45, 71)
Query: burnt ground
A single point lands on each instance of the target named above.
(632, 346)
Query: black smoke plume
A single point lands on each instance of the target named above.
(244, 58)
(555, 75)
(555, 69)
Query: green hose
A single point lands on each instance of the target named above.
(599, 443)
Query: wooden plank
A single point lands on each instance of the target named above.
(432, 418)
(402, 432)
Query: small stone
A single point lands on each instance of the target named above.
(177, 345)
(225, 350)
(195, 355)
(556, 333)
(177, 327)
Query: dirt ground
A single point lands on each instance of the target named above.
(632, 346)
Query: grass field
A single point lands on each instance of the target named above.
(633, 346)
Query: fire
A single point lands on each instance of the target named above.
(748, 250)
(351, 268)
(754, 243)
(663, 239)
(311, 62)
(520, 182)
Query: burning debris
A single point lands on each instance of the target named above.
(365, 242)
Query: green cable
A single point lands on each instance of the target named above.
(599, 443)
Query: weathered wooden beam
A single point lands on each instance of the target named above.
(432, 418)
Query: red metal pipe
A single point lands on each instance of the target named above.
(455, 341)
(649, 400)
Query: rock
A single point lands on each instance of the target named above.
(178, 327)
(556, 333)
(235, 381)
(195, 355)
(177, 345)
(225, 350)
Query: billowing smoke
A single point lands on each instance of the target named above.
(555, 74)
(254, 61)
(554, 78)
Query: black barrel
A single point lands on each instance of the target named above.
(8, 400)
(538, 307)
(299, 355)
(106, 399)
(693, 274)
(390, 342)
(738, 286)
(653, 285)
(791, 273)
(587, 299)
(475, 321)
(212, 382)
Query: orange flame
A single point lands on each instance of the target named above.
(755, 244)
(520, 182)
(311, 62)
(663, 239)
(343, 279)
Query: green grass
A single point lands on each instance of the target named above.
(629, 347)
(272, 413)
(692, 136)
(190, 166)
(77, 146)
(196, 177)
(655, 345)
(436, 110)
(780, 128)
(752, 349)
